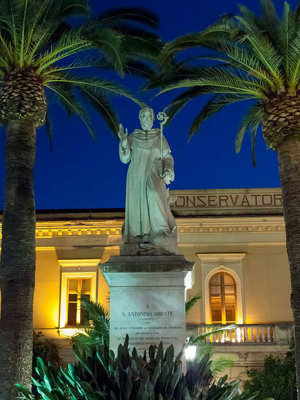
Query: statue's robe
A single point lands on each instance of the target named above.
(147, 211)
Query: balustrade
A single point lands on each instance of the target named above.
(254, 334)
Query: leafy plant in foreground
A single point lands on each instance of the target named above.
(97, 334)
(45, 349)
(131, 376)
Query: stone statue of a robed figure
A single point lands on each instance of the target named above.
(148, 279)
(149, 226)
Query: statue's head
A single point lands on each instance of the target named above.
(146, 116)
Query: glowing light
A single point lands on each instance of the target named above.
(238, 335)
(69, 332)
(190, 352)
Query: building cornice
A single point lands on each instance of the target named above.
(221, 257)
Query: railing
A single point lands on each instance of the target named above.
(248, 334)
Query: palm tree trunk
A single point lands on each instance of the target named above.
(17, 272)
(289, 169)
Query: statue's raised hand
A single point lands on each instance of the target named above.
(122, 135)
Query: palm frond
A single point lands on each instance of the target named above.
(294, 63)
(249, 22)
(22, 44)
(102, 105)
(136, 14)
(253, 134)
(285, 33)
(74, 8)
(218, 80)
(83, 63)
(49, 130)
(267, 54)
(70, 43)
(139, 44)
(175, 73)
(71, 103)
(222, 30)
(37, 23)
(180, 101)
(108, 42)
(98, 331)
(221, 364)
(214, 330)
(237, 56)
(88, 83)
(43, 37)
(212, 107)
(190, 303)
(257, 56)
(138, 68)
(269, 19)
(250, 122)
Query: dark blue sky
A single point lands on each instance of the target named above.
(82, 173)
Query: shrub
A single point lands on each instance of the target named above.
(46, 349)
(97, 333)
(126, 376)
(277, 380)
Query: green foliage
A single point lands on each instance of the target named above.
(68, 54)
(130, 376)
(201, 339)
(250, 57)
(98, 332)
(221, 364)
(190, 303)
(218, 365)
(44, 349)
(277, 380)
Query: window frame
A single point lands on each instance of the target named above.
(78, 293)
(223, 297)
(211, 263)
(83, 269)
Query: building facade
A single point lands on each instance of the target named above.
(236, 238)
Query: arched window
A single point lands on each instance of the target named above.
(222, 298)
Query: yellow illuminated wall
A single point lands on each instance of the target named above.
(266, 283)
(266, 279)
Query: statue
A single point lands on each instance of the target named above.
(149, 226)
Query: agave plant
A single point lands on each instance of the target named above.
(97, 334)
(44, 51)
(251, 58)
(157, 375)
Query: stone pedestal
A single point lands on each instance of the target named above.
(147, 299)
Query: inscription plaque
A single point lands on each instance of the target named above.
(147, 300)
(148, 316)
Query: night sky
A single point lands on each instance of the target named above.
(82, 173)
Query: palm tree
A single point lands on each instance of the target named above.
(256, 58)
(45, 51)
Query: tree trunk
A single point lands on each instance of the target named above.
(17, 272)
(289, 169)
